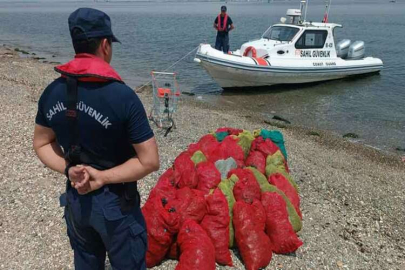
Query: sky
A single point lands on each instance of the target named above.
(19, 1)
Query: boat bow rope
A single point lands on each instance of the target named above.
(175, 63)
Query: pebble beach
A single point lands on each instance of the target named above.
(351, 195)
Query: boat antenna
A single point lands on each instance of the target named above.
(302, 5)
(306, 8)
(327, 9)
(330, 3)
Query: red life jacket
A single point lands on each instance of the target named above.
(224, 25)
(88, 68)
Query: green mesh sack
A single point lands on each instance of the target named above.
(256, 133)
(261, 179)
(221, 136)
(226, 187)
(271, 169)
(232, 181)
(198, 157)
(275, 164)
(277, 159)
(245, 141)
(276, 137)
(265, 186)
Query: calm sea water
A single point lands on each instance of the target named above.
(155, 35)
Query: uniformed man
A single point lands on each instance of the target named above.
(223, 24)
(93, 128)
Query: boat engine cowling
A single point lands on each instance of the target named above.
(342, 48)
(356, 50)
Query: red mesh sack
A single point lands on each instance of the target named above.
(284, 185)
(197, 250)
(216, 224)
(229, 147)
(253, 243)
(208, 143)
(174, 251)
(189, 204)
(162, 225)
(184, 171)
(208, 176)
(278, 227)
(192, 148)
(257, 160)
(165, 187)
(259, 215)
(230, 131)
(247, 188)
(286, 166)
(266, 147)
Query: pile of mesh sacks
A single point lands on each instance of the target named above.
(232, 189)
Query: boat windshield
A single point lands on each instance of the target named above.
(281, 33)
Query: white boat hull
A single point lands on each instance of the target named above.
(231, 71)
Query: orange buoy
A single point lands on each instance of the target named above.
(250, 49)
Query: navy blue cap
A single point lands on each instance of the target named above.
(223, 8)
(93, 23)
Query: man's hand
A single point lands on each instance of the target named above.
(90, 180)
(135, 168)
(79, 179)
(96, 178)
(78, 174)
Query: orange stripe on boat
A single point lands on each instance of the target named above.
(261, 61)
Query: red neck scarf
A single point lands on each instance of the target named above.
(87, 67)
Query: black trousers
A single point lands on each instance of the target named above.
(222, 43)
(96, 225)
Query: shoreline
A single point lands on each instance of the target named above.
(351, 196)
(326, 136)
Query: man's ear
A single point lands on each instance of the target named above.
(105, 46)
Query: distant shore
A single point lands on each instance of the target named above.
(351, 195)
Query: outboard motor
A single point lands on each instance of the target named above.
(342, 48)
(356, 50)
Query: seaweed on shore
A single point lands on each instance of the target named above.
(313, 133)
(279, 118)
(351, 135)
(21, 51)
(275, 124)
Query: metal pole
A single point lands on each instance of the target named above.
(306, 9)
(330, 3)
(302, 5)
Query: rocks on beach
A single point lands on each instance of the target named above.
(352, 197)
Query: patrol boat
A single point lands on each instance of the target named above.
(294, 51)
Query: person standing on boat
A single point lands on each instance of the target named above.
(223, 24)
